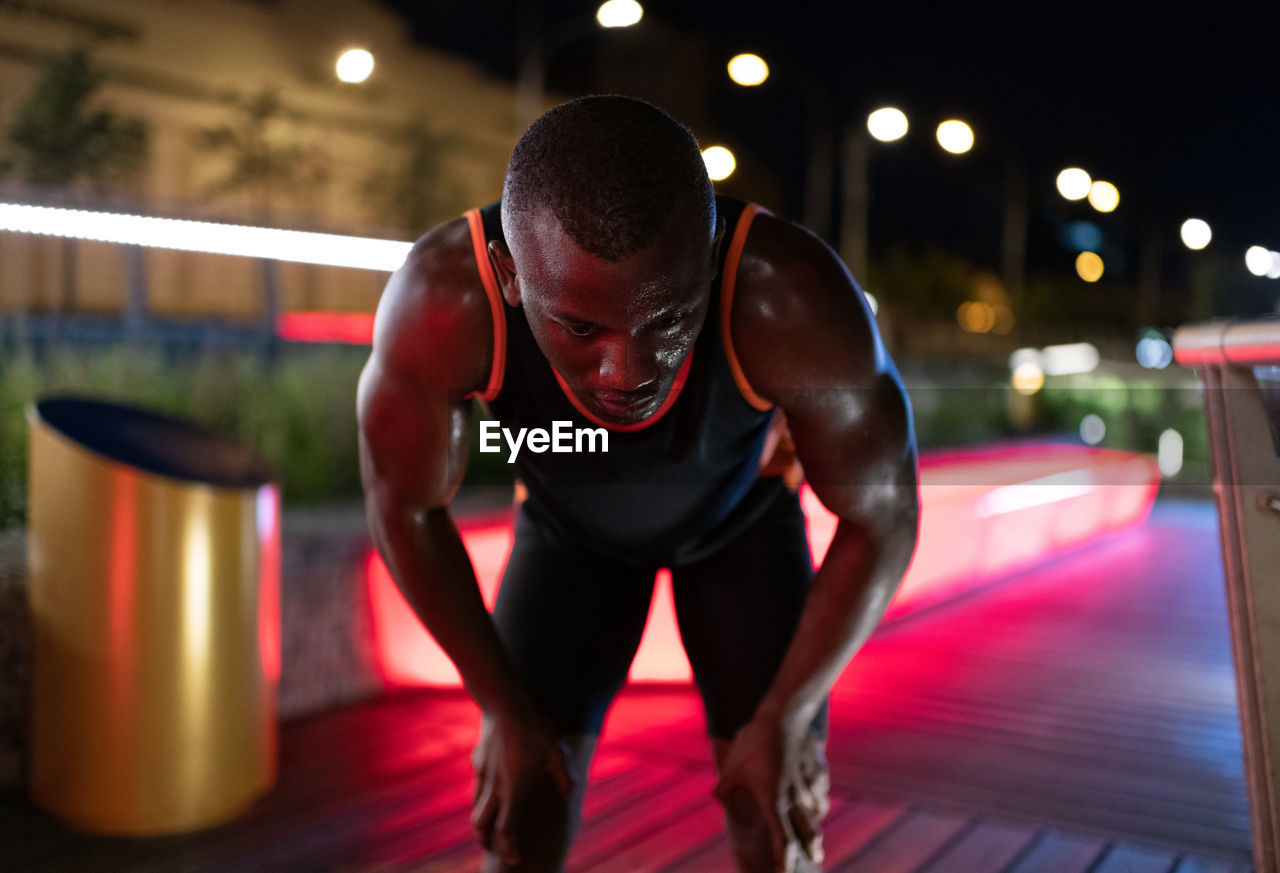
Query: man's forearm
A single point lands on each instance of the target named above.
(847, 599)
(432, 569)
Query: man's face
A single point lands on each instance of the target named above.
(616, 331)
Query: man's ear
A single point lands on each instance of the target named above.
(504, 267)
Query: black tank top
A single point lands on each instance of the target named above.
(672, 488)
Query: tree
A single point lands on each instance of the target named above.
(60, 142)
(262, 158)
(409, 189)
(265, 161)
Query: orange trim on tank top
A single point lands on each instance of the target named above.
(726, 304)
(676, 387)
(484, 266)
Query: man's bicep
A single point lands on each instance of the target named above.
(857, 446)
(413, 438)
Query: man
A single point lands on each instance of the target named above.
(615, 291)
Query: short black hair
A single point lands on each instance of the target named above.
(612, 170)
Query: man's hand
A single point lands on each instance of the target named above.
(513, 756)
(774, 787)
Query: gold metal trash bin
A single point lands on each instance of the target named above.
(154, 557)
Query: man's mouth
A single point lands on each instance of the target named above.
(625, 406)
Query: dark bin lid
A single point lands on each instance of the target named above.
(155, 443)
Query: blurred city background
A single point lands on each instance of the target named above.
(201, 201)
(928, 150)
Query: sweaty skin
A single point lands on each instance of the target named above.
(805, 341)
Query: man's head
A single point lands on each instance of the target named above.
(610, 221)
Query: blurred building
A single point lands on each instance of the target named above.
(247, 122)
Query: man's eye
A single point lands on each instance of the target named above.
(578, 328)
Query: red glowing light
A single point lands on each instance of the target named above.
(984, 513)
(268, 510)
(355, 328)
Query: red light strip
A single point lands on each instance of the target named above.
(354, 328)
(976, 524)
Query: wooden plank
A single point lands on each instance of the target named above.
(1127, 858)
(683, 804)
(988, 848)
(904, 847)
(1190, 864)
(1060, 853)
(849, 830)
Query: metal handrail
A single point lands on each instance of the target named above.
(1227, 342)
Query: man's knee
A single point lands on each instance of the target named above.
(546, 823)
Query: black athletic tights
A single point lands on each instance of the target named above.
(572, 620)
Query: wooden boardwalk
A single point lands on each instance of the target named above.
(1080, 719)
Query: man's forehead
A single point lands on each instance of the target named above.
(671, 275)
(540, 226)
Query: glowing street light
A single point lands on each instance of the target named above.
(619, 13)
(887, 124)
(1196, 233)
(719, 161)
(955, 136)
(1089, 266)
(1258, 260)
(1074, 183)
(1103, 196)
(354, 65)
(747, 69)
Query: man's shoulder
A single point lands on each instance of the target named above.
(434, 318)
(793, 294)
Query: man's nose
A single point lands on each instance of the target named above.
(627, 365)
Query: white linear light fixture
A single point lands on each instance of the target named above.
(303, 247)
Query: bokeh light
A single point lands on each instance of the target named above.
(1103, 196)
(1169, 452)
(1074, 183)
(976, 316)
(1089, 266)
(1083, 236)
(887, 124)
(354, 65)
(955, 136)
(1154, 352)
(1274, 272)
(748, 69)
(1258, 260)
(1004, 318)
(720, 162)
(1092, 429)
(1196, 233)
(1028, 378)
(872, 302)
(619, 13)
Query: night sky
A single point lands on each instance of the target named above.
(1181, 111)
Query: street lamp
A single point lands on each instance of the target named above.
(720, 162)
(619, 13)
(1196, 233)
(1074, 183)
(750, 70)
(531, 83)
(887, 124)
(354, 65)
(955, 136)
(1103, 196)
